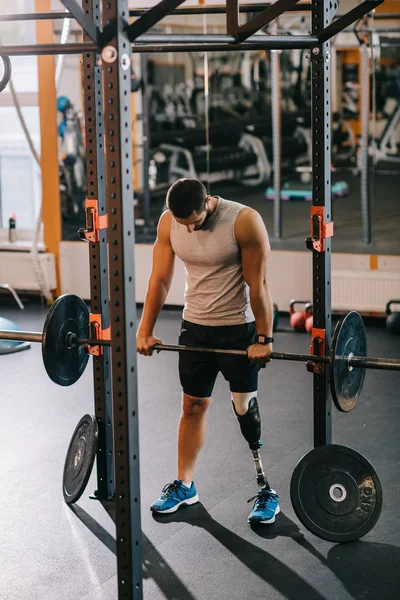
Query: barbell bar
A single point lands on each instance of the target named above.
(20, 336)
(356, 362)
(66, 336)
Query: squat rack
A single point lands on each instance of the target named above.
(109, 41)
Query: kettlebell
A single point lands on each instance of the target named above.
(297, 318)
(275, 318)
(393, 318)
(309, 317)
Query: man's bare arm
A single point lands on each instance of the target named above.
(160, 278)
(253, 240)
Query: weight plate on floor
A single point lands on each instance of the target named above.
(349, 339)
(68, 314)
(336, 493)
(80, 457)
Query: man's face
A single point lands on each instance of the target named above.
(196, 220)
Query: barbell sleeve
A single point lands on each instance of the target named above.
(369, 362)
(88, 342)
(299, 357)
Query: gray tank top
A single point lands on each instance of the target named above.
(215, 293)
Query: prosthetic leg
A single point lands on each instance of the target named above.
(250, 426)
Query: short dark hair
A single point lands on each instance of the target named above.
(185, 197)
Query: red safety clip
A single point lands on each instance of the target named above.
(317, 348)
(94, 222)
(319, 229)
(96, 332)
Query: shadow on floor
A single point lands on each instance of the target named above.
(154, 565)
(369, 571)
(262, 563)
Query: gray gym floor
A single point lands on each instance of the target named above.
(208, 551)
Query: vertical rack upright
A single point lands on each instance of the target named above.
(323, 12)
(116, 64)
(98, 260)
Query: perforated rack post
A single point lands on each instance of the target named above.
(323, 12)
(116, 64)
(98, 260)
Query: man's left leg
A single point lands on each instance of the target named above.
(266, 504)
(242, 376)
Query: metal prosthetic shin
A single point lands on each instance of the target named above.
(250, 426)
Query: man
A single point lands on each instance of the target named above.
(225, 248)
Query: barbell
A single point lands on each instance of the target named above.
(335, 491)
(65, 342)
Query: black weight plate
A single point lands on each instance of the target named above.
(80, 457)
(336, 493)
(68, 314)
(346, 382)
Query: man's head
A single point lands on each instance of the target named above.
(187, 200)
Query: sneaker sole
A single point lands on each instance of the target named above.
(255, 521)
(175, 508)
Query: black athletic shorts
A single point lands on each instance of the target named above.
(198, 370)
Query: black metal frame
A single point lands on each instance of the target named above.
(87, 24)
(138, 12)
(188, 10)
(321, 198)
(98, 259)
(221, 10)
(116, 62)
(264, 18)
(151, 17)
(136, 31)
(49, 49)
(174, 43)
(344, 21)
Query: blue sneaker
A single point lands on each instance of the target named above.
(173, 496)
(266, 507)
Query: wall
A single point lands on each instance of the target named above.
(359, 282)
(20, 183)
